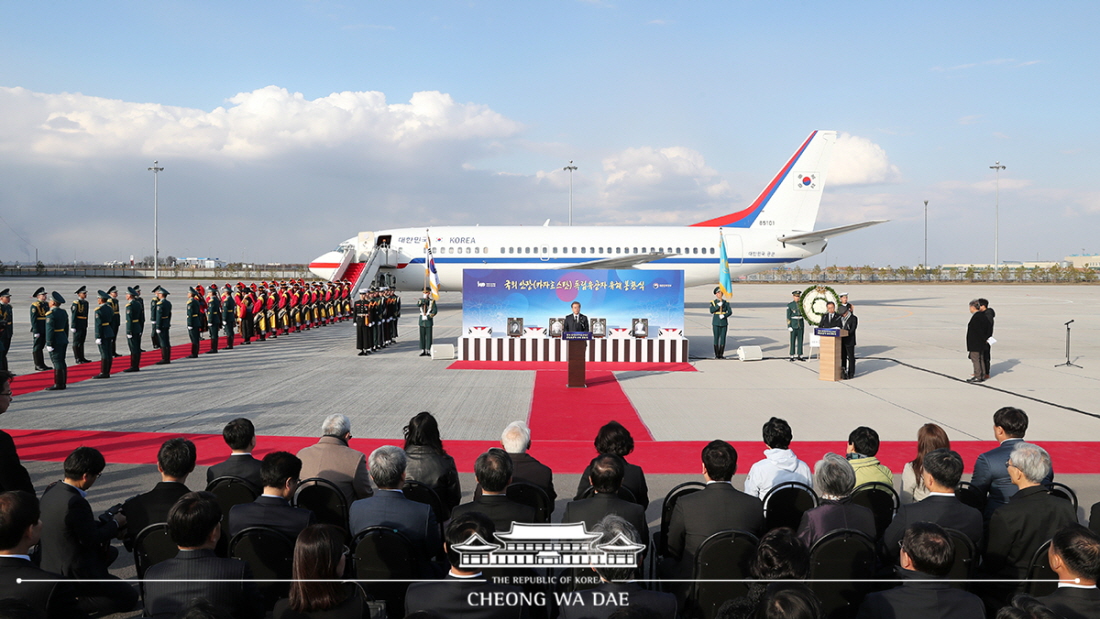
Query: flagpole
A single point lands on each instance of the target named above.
(427, 253)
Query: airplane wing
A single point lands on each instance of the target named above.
(821, 235)
(624, 262)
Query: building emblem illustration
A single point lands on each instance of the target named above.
(541, 545)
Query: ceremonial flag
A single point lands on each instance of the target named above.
(724, 279)
(431, 274)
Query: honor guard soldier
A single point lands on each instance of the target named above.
(719, 321)
(259, 305)
(153, 315)
(135, 326)
(426, 321)
(39, 309)
(213, 317)
(229, 315)
(104, 334)
(194, 322)
(7, 327)
(269, 313)
(842, 307)
(244, 312)
(796, 325)
(79, 324)
(162, 324)
(141, 302)
(282, 315)
(57, 340)
(362, 323)
(396, 313)
(116, 320)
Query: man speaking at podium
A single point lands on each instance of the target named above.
(576, 321)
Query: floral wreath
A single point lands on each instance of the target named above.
(813, 300)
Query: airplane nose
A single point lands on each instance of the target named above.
(325, 265)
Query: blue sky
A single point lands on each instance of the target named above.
(286, 127)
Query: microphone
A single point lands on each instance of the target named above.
(1068, 323)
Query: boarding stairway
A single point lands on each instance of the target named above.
(368, 269)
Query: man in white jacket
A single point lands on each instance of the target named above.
(779, 464)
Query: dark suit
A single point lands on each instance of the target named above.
(580, 323)
(833, 515)
(450, 597)
(268, 511)
(697, 516)
(829, 321)
(921, 597)
(848, 346)
(150, 508)
(237, 465)
(991, 475)
(591, 511)
(13, 475)
(392, 508)
(53, 600)
(234, 590)
(528, 470)
(661, 605)
(1094, 518)
(1016, 530)
(500, 509)
(946, 511)
(1074, 602)
(633, 480)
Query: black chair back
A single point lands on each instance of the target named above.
(840, 563)
(724, 556)
(324, 499)
(532, 495)
(230, 491)
(385, 560)
(785, 503)
(667, 506)
(270, 556)
(967, 494)
(1063, 491)
(881, 499)
(423, 493)
(152, 545)
(1041, 578)
(624, 493)
(966, 559)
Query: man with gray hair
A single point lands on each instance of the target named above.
(331, 458)
(390, 507)
(1031, 517)
(516, 440)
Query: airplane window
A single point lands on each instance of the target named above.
(591, 250)
(712, 251)
(635, 250)
(544, 249)
(678, 250)
(694, 250)
(618, 250)
(477, 250)
(511, 250)
(555, 250)
(469, 250)
(582, 250)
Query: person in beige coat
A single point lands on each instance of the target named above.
(331, 458)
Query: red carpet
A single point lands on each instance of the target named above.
(561, 413)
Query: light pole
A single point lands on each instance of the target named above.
(570, 167)
(926, 236)
(156, 231)
(997, 216)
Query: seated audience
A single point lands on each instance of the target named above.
(717, 507)
(779, 465)
(617, 582)
(331, 459)
(941, 471)
(990, 475)
(240, 436)
(194, 523)
(606, 477)
(76, 544)
(1026, 607)
(493, 471)
(862, 449)
(175, 461)
(926, 557)
(930, 437)
(834, 481)
(614, 439)
(789, 601)
(20, 528)
(516, 440)
(1074, 555)
(280, 472)
(429, 463)
(13, 475)
(779, 556)
(451, 597)
(319, 562)
(199, 608)
(391, 508)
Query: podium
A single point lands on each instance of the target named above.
(829, 353)
(578, 347)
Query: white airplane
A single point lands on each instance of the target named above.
(776, 229)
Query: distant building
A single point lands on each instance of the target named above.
(200, 263)
(1084, 261)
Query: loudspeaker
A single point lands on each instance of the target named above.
(443, 351)
(750, 353)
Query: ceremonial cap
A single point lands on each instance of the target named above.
(137, 288)
(81, 289)
(103, 295)
(229, 287)
(193, 291)
(5, 292)
(797, 293)
(57, 298)
(112, 289)
(40, 290)
(162, 291)
(363, 291)
(717, 289)
(131, 291)
(844, 294)
(213, 286)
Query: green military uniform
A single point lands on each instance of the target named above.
(214, 317)
(104, 335)
(116, 318)
(161, 325)
(39, 309)
(194, 322)
(57, 340)
(796, 324)
(720, 311)
(229, 316)
(362, 324)
(153, 309)
(135, 326)
(7, 328)
(428, 310)
(79, 322)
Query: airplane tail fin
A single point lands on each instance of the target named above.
(790, 201)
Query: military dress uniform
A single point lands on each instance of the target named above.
(162, 325)
(39, 309)
(194, 322)
(229, 316)
(104, 335)
(57, 340)
(79, 325)
(7, 328)
(116, 318)
(796, 326)
(720, 311)
(427, 311)
(135, 326)
(214, 317)
(362, 324)
(153, 309)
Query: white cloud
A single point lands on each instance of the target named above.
(859, 161)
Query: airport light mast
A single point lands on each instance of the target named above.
(997, 216)
(156, 238)
(926, 236)
(570, 168)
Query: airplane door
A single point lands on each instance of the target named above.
(544, 253)
(735, 250)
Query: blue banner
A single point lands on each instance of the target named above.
(491, 296)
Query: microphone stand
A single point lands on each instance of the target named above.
(1068, 363)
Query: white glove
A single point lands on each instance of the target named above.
(49, 349)
(189, 328)
(791, 329)
(73, 330)
(128, 336)
(36, 335)
(98, 341)
(158, 330)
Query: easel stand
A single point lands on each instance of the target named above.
(1068, 363)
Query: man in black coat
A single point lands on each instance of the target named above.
(848, 321)
(390, 507)
(516, 440)
(941, 470)
(1075, 556)
(240, 436)
(990, 475)
(195, 526)
(926, 556)
(830, 319)
(280, 473)
(175, 461)
(606, 478)
(576, 321)
(13, 475)
(493, 470)
(978, 332)
(76, 544)
(990, 315)
(20, 528)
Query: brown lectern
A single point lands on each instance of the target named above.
(578, 348)
(829, 355)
